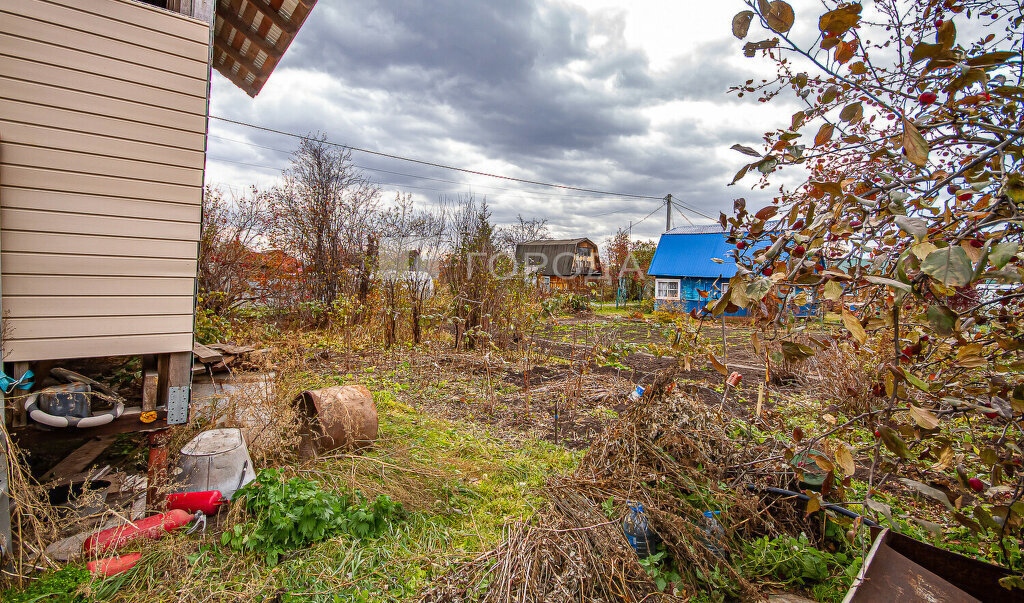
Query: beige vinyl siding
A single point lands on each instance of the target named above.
(102, 143)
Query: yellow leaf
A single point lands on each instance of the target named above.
(853, 325)
(923, 417)
(914, 145)
(922, 249)
(833, 290)
(844, 458)
(718, 365)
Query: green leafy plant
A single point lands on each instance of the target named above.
(60, 586)
(289, 514)
(793, 561)
(659, 567)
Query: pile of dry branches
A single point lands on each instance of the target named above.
(671, 455)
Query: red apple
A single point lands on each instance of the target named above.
(767, 271)
(927, 98)
(965, 196)
(741, 245)
(975, 484)
(799, 251)
(938, 23)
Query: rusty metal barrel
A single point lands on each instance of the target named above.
(342, 417)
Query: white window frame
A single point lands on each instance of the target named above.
(668, 281)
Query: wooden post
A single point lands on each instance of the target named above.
(20, 417)
(174, 376)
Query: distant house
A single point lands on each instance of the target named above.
(686, 273)
(562, 264)
(683, 266)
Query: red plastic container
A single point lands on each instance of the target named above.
(208, 502)
(150, 528)
(112, 566)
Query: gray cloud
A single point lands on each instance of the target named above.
(544, 87)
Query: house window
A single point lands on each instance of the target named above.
(666, 289)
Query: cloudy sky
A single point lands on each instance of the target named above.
(622, 96)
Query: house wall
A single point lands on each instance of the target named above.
(102, 146)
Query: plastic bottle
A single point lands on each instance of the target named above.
(639, 535)
(636, 394)
(714, 534)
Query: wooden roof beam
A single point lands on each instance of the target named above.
(237, 80)
(243, 61)
(254, 37)
(264, 8)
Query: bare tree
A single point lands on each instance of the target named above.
(521, 231)
(324, 215)
(414, 240)
(230, 232)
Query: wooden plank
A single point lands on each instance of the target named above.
(174, 370)
(84, 102)
(86, 245)
(142, 15)
(56, 328)
(42, 53)
(99, 165)
(91, 184)
(74, 79)
(205, 354)
(20, 415)
(237, 80)
(246, 30)
(92, 347)
(85, 206)
(72, 265)
(82, 287)
(150, 390)
(275, 17)
(241, 60)
(60, 35)
(127, 423)
(80, 458)
(80, 142)
(114, 127)
(96, 22)
(73, 305)
(19, 219)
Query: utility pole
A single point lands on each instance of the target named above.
(668, 212)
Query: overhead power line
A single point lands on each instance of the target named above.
(416, 176)
(437, 165)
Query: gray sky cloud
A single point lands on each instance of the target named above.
(548, 91)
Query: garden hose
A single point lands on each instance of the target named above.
(804, 497)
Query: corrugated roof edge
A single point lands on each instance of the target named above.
(710, 229)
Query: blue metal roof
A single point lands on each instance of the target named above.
(690, 255)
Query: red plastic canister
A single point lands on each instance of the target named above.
(112, 566)
(208, 502)
(150, 528)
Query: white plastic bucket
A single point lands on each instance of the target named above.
(217, 459)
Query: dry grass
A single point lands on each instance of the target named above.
(34, 521)
(671, 455)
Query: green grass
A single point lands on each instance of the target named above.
(459, 484)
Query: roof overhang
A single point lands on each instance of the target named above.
(251, 36)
